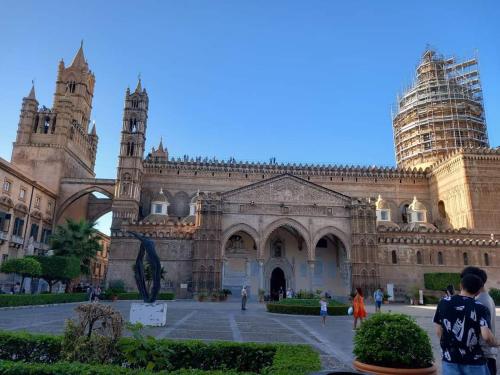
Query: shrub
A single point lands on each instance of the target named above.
(58, 268)
(183, 357)
(21, 346)
(307, 302)
(136, 296)
(63, 368)
(393, 340)
(440, 280)
(304, 309)
(11, 300)
(431, 300)
(115, 287)
(495, 294)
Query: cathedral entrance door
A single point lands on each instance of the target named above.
(278, 281)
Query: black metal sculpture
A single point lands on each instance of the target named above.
(147, 248)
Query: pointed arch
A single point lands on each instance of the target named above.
(242, 227)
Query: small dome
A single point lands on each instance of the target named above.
(160, 197)
(381, 204)
(416, 205)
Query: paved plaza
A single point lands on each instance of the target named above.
(225, 321)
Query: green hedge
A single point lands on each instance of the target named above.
(440, 280)
(304, 309)
(307, 302)
(136, 296)
(64, 368)
(431, 300)
(237, 358)
(10, 300)
(495, 294)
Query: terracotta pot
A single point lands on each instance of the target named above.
(379, 370)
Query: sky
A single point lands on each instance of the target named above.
(301, 81)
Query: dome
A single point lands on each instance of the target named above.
(160, 197)
(416, 205)
(381, 204)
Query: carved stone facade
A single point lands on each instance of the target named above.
(225, 224)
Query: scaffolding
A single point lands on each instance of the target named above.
(440, 112)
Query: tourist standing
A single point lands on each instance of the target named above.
(323, 311)
(280, 293)
(378, 297)
(489, 352)
(358, 307)
(460, 322)
(244, 296)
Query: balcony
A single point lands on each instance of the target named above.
(16, 241)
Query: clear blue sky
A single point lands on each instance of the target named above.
(303, 81)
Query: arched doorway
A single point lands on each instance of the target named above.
(278, 283)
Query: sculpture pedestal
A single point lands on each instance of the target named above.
(149, 314)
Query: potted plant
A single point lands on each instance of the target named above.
(201, 297)
(115, 287)
(224, 293)
(214, 297)
(393, 344)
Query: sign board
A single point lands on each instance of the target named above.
(184, 286)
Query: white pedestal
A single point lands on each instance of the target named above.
(149, 314)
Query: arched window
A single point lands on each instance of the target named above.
(71, 87)
(442, 210)
(53, 129)
(394, 257)
(133, 125)
(404, 213)
(440, 258)
(466, 259)
(419, 257)
(486, 259)
(46, 125)
(130, 148)
(35, 127)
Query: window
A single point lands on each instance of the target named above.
(4, 221)
(4, 257)
(46, 233)
(394, 257)
(420, 216)
(404, 213)
(486, 259)
(466, 259)
(18, 227)
(34, 231)
(442, 209)
(440, 258)
(22, 194)
(49, 207)
(384, 215)
(419, 257)
(158, 208)
(37, 201)
(6, 186)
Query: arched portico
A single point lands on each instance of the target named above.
(285, 223)
(241, 227)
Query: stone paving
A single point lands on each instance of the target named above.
(225, 321)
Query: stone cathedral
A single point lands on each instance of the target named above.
(224, 224)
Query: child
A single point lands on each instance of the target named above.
(323, 312)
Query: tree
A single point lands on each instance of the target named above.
(58, 268)
(26, 267)
(78, 239)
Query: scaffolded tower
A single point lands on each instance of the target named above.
(440, 112)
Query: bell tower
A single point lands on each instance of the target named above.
(56, 142)
(130, 167)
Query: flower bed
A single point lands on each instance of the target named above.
(11, 300)
(305, 307)
(41, 354)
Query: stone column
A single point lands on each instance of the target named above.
(223, 271)
(261, 274)
(310, 274)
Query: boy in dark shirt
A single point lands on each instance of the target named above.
(460, 322)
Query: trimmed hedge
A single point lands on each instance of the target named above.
(136, 296)
(307, 302)
(11, 300)
(495, 294)
(74, 368)
(304, 309)
(440, 280)
(225, 358)
(431, 300)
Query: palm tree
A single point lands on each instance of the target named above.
(78, 239)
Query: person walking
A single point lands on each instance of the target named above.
(244, 296)
(323, 311)
(358, 307)
(378, 297)
(460, 321)
(489, 352)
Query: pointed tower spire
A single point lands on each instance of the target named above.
(79, 59)
(32, 92)
(160, 147)
(93, 131)
(139, 86)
